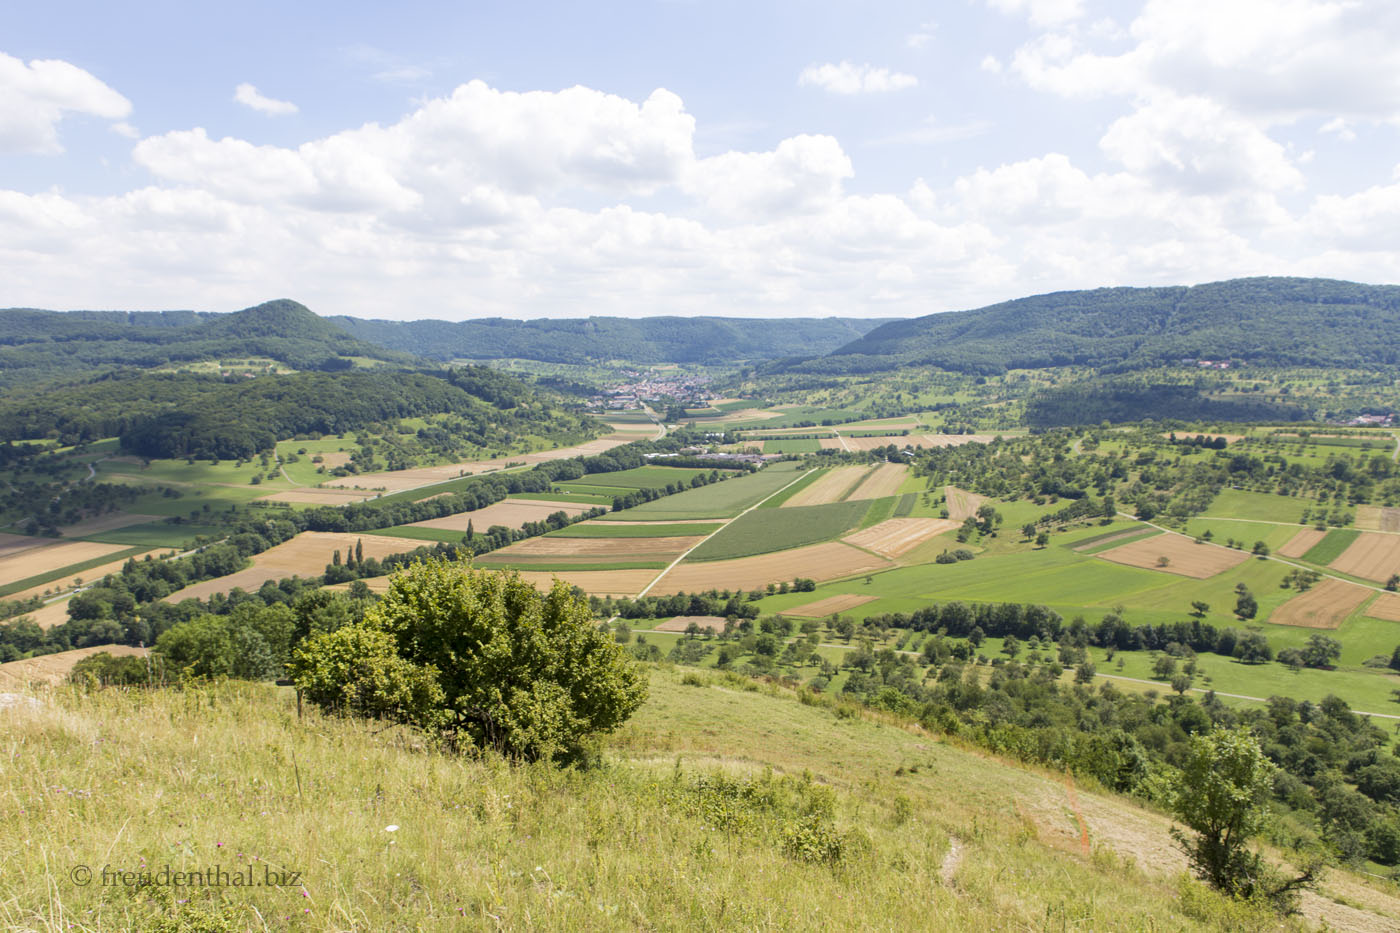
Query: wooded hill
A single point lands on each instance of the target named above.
(37, 346)
(1268, 321)
(713, 340)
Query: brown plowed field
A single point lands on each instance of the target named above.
(829, 606)
(885, 481)
(52, 555)
(13, 544)
(896, 536)
(829, 561)
(1302, 542)
(311, 495)
(1386, 606)
(1371, 556)
(604, 548)
(681, 623)
(962, 504)
(512, 513)
(305, 555)
(1377, 518)
(1100, 542)
(399, 480)
(54, 668)
(828, 488)
(1324, 606)
(1185, 557)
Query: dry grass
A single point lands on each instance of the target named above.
(1372, 556)
(54, 668)
(313, 495)
(682, 623)
(50, 556)
(829, 606)
(1326, 605)
(830, 487)
(594, 582)
(897, 536)
(512, 513)
(305, 555)
(961, 503)
(885, 481)
(829, 561)
(1184, 556)
(1302, 542)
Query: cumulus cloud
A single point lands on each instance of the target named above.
(1041, 12)
(848, 78)
(249, 96)
(36, 96)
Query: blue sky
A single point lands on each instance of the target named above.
(775, 159)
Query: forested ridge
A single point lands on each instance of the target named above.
(641, 340)
(1267, 321)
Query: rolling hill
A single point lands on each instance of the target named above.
(1270, 321)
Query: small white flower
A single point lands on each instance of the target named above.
(391, 828)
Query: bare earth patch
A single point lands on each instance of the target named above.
(896, 536)
(54, 668)
(682, 623)
(1372, 555)
(31, 562)
(1302, 542)
(961, 503)
(305, 555)
(885, 481)
(1386, 606)
(829, 561)
(1325, 605)
(13, 544)
(311, 495)
(512, 513)
(830, 487)
(1184, 557)
(829, 606)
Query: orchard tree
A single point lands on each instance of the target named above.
(497, 664)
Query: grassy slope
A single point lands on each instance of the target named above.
(229, 776)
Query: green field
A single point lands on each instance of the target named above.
(765, 530)
(1331, 547)
(717, 500)
(156, 534)
(798, 445)
(1257, 506)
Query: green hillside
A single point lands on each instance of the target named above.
(1271, 321)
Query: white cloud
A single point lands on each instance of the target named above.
(1041, 12)
(921, 36)
(803, 174)
(248, 96)
(35, 97)
(848, 78)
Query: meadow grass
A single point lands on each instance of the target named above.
(765, 530)
(688, 822)
(1331, 547)
(798, 445)
(717, 500)
(1259, 506)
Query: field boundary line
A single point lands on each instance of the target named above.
(801, 474)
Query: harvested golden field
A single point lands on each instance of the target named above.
(54, 668)
(896, 536)
(314, 495)
(91, 575)
(54, 613)
(831, 487)
(1100, 542)
(1377, 518)
(108, 522)
(948, 440)
(682, 623)
(1302, 542)
(829, 606)
(1325, 605)
(598, 549)
(884, 481)
(829, 561)
(961, 503)
(869, 443)
(51, 556)
(1386, 606)
(594, 582)
(1184, 556)
(13, 544)
(305, 555)
(743, 414)
(1372, 556)
(399, 480)
(512, 513)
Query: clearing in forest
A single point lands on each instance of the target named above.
(829, 606)
(884, 481)
(830, 487)
(961, 503)
(306, 555)
(896, 536)
(512, 513)
(1377, 518)
(1182, 556)
(1305, 540)
(1372, 556)
(1325, 605)
(829, 561)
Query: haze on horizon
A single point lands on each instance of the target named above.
(775, 159)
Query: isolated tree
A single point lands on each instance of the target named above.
(1321, 651)
(1199, 609)
(524, 673)
(1042, 539)
(1245, 605)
